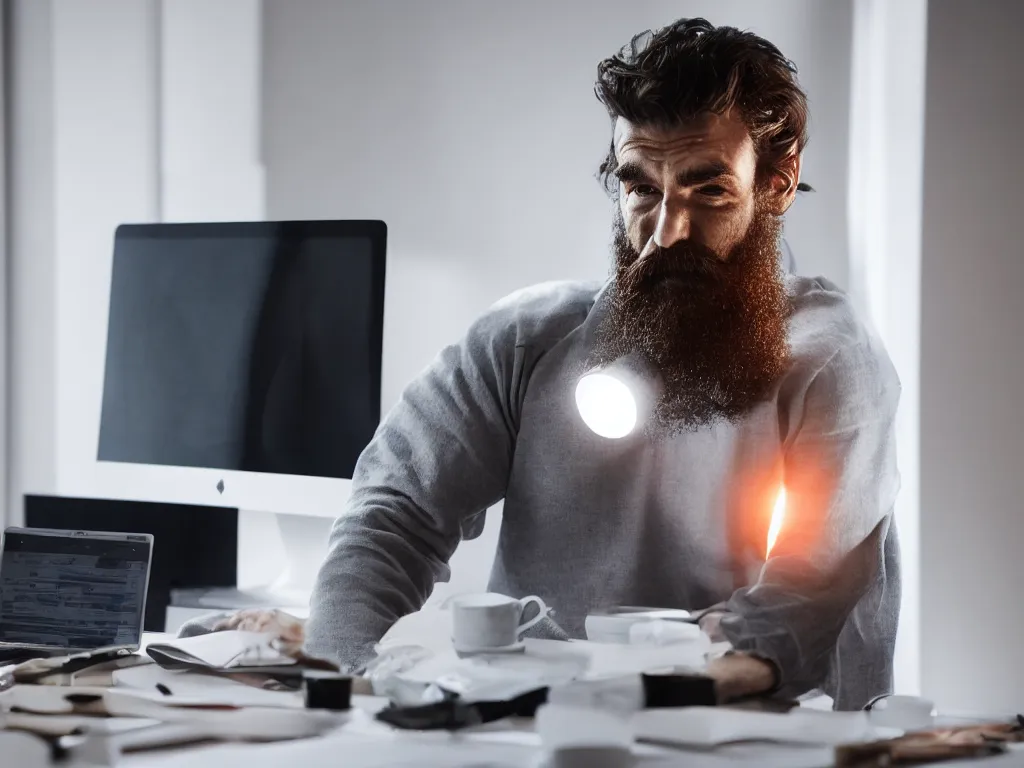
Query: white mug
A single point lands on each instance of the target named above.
(491, 621)
(908, 713)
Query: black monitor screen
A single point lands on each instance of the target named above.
(193, 546)
(245, 346)
(72, 592)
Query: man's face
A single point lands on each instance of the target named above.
(698, 290)
(693, 183)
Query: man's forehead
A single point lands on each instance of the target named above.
(722, 134)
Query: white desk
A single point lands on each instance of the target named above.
(501, 745)
(364, 743)
(515, 749)
(368, 744)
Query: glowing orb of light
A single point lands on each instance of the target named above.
(606, 404)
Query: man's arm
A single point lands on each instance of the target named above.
(440, 457)
(841, 482)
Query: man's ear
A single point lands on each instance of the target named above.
(782, 184)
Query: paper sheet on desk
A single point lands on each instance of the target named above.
(713, 726)
(591, 660)
(204, 717)
(414, 675)
(202, 687)
(611, 660)
(220, 650)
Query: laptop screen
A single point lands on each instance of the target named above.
(72, 589)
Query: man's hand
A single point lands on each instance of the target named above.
(290, 630)
(711, 624)
(738, 675)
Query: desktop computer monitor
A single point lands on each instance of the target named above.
(243, 363)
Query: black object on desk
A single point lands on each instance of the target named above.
(327, 690)
(453, 715)
(660, 691)
(678, 690)
(193, 546)
(17, 655)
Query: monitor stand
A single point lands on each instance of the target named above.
(304, 541)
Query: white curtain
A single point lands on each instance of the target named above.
(5, 515)
(886, 150)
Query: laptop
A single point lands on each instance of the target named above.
(64, 592)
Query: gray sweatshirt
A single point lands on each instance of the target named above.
(682, 522)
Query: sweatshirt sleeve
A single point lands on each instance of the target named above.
(439, 458)
(835, 548)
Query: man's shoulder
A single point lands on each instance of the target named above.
(822, 315)
(829, 336)
(546, 312)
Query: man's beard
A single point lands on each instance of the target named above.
(714, 330)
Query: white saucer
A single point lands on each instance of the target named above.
(514, 648)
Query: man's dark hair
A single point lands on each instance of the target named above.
(673, 75)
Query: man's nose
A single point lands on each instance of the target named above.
(673, 225)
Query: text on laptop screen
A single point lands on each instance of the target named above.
(72, 591)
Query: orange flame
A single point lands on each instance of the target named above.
(778, 515)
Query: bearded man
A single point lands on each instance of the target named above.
(767, 385)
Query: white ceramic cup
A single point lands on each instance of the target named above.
(490, 620)
(908, 713)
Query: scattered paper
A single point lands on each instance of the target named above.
(65, 725)
(220, 650)
(611, 659)
(191, 687)
(713, 726)
(246, 723)
(493, 677)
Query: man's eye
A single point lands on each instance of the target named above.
(643, 190)
(712, 190)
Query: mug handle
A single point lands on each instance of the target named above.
(542, 612)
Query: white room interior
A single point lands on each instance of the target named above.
(175, 110)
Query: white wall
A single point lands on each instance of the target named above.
(122, 111)
(4, 306)
(83, 152)
(111, 104)
(208, 101)
(471, 128)
(972, 357)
